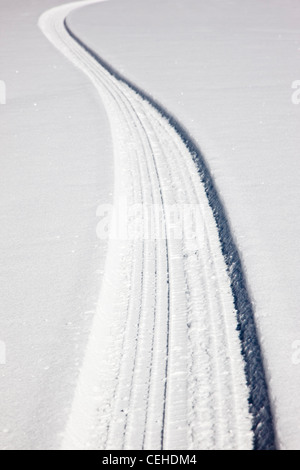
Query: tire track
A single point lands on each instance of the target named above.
(225, 366)
(164, 366)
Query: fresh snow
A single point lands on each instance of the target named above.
(163, 367)
(162, 358)
(56, 168)
(225, 69)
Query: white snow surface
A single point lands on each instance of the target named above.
(225, 69)
(56, 167)
(163, 367)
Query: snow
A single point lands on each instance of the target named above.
(225, 69)
(163, 367)
(56, 168)
(81, 371)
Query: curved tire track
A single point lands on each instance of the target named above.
(165, 367)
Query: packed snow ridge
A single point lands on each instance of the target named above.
(173, 360)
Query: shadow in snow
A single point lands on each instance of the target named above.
(259, 402)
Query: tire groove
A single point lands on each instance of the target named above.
(112, 85)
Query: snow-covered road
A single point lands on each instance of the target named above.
(165, 366)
